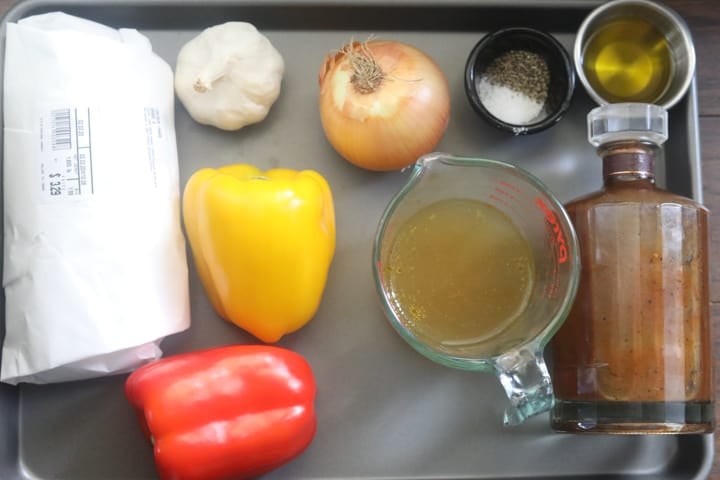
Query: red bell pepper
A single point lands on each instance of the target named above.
(228, 412)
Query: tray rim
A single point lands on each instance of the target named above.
(22, 7)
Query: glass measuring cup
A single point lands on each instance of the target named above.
(416, 290)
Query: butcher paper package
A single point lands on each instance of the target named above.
(95, 270)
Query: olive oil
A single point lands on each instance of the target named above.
(628, 60)
(461, 271)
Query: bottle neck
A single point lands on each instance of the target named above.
(628, 162)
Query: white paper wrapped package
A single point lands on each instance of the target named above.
(95, 271)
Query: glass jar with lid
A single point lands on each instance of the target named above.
(634, 355)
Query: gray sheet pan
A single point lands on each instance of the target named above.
(384, 411)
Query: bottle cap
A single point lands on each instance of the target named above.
(627, 121)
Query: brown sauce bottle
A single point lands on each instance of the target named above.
(634, 355)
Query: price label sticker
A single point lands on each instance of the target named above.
(66, 160)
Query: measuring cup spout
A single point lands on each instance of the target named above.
(526, 380)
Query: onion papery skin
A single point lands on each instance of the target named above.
(389, 128)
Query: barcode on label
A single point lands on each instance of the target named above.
(61, 130)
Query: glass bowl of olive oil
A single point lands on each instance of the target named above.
(634, 51)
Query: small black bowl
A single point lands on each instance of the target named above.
(560, 66)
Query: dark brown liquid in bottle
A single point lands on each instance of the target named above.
(634, 354)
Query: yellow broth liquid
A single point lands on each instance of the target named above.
(628, 60)
(461, 272)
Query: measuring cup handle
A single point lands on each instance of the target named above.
(526, 380)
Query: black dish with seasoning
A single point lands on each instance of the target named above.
(529, 63)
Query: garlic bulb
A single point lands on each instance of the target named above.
(229, 76)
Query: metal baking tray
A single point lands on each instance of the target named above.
(384, 411)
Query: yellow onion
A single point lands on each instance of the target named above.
(383, 104)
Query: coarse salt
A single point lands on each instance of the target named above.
(508, 105)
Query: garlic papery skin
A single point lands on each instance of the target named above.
(229, 76)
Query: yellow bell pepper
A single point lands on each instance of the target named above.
(262, 244)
